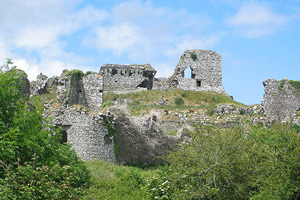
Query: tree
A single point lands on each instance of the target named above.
(27, 143)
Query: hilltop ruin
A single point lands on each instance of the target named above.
(76, 106)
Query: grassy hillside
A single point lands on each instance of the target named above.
(176, 99)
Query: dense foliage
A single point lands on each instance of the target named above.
(256, 163)
(33, 164)
(110, 181)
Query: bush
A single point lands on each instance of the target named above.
(28, 181)
(178, 101)
(259, 163)
(194, 56)
(24, 133)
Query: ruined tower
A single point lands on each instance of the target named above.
(206, 72)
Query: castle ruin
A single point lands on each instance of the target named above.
(127, 78)
(77, 105)
(79, 99)
(281, 101)
(206, 73)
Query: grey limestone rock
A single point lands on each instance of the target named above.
(139, 140)
(40, 85)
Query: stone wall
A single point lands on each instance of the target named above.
(84, 131)
(127, 78)
(281, 101)
(93, 87)
(206, 73)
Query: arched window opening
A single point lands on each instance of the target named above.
(188, 73)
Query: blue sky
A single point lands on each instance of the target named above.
(257, 39)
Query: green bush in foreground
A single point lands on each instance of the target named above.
(261, 163)
(110, 181)
(33, 165)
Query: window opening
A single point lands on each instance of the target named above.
(188, 73)
(64, 137)
(198, 83)
(114, 71)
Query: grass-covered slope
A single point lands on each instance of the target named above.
(176, 99)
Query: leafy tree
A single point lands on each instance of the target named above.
(25, 138)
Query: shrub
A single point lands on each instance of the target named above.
(194, 56)
(259, 163)
(88, 72)
(178, 101)
(28, 181)
(24, 133)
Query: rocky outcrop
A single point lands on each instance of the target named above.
(39, 86)
(228, 109)
(139, 140)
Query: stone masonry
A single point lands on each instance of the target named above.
(127, 78)
(281, 101)
(84, 131)
(206, 72)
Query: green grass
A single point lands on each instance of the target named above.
(170, 132)
(110, 181)
(148, 100)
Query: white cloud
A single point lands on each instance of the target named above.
(144, 33)
(254, 20)
(33, 32)
(190, 43)
(31, 70)
(118, 37)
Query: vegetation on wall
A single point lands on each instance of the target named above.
(112, 133)
(194, 56)
(296, 84)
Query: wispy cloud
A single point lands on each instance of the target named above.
(254, 20)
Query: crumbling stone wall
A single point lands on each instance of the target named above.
(84, 131)
(127, 78)
(86, 90)
(206, 73)
(93, 88)
(281, 100)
